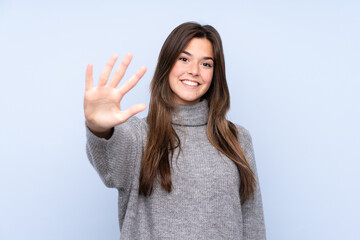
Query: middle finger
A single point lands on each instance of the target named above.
(120, 71)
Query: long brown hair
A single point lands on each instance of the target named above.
(162, 139)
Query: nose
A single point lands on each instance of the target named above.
(194, 69)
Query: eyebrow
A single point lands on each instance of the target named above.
(205, 58)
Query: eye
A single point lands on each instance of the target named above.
(207, 65)
(183, 59)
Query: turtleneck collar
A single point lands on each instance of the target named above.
(191, 115)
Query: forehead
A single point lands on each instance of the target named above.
(200, 47)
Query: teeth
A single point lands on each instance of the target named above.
(190, 83)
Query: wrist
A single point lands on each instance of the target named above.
(100, 132)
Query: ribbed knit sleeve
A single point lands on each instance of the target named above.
(114, 159)
(252, 209)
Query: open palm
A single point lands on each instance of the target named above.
(102, 103)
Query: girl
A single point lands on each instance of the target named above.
(184, 172)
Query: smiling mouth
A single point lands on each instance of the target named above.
(190, 83)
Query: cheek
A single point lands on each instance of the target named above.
(177, 70)
(207, 76)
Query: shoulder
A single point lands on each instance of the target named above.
(133, 125)
(133, 131)
(245, 140)
(244, 136)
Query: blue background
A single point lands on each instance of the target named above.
(293, 73)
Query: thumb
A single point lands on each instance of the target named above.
(132, 111)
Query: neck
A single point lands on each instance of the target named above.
(191, 115)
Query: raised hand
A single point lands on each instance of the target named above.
(102, 103)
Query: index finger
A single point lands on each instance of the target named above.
(89, 77)
(129, 84)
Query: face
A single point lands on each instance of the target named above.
(191, 75)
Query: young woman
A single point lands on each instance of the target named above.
(184, 172)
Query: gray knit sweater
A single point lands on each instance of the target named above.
(205, 200)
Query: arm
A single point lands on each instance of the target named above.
(252, 209)
(114, 159)
(112, 139)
